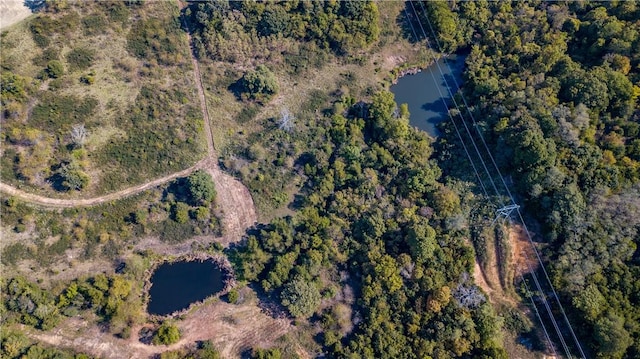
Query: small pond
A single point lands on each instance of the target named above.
(176, 285)
(425, 91)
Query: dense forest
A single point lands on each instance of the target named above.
(555, 87)
(376, 222)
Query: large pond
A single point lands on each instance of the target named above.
(426, 92)
(176, 285)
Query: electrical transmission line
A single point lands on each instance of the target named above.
(566, 319)
(537, 313)
(495, 188)
(452, 120)
(513, 206)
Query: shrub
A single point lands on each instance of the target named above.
(300, 297)
(73, 178)
(55, 113)
(49, 54)
(272, 353)
(201, 214)
(167, 334)
(54, 69)
(94, 24)
(180, 212)
(14, 253)
(155, 39)
(88, 79)
(80, 58)
(259, 84)
(233, 296)
(247, 114)
(201, 187)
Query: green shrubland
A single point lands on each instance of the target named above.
(142, 119)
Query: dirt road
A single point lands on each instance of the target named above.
(234, 199)
(87, 202)
(12, 11)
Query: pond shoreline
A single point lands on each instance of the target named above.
(218, 260)
(428, 91)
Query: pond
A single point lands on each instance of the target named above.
(176, 285)
(425, 91)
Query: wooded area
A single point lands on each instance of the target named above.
(555, 88)
(374, 256)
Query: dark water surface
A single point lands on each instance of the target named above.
(424, 92)
(177, 285)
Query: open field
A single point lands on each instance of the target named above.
(92, 67)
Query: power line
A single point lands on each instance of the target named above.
(480, 181)
(564, 315)
(456, 105)
(483, 163)
(535, 308)
(507, 189)
(451, 117)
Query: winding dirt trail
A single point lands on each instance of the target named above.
(234, 200)
(86, 202)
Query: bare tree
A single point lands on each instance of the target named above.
(286, 120)
(79, 135)
(467, 294)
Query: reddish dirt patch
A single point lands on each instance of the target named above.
(523, 256)
(480, 280)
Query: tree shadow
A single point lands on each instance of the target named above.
(297, 203)
(34, 5)
(178, 189)
(237, 88)
(409, 24)
(439, 107)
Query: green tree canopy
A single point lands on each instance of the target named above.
(611, 336)
(259, 84)
(201, 187)
(167, 334)
(300, 297)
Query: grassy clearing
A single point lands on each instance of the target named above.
(127, 63)
(49, 242)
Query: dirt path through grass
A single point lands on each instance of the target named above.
(234, 199)
(86, 202)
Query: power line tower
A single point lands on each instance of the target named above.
(505, 212)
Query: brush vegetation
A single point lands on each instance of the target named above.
(119, 69)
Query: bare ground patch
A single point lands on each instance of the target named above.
(523, 255)
(12, 11)
(231, 328)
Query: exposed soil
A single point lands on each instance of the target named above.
(523, 257)
(12, 11)
(521, 260)
(232, 329)
(480, 280)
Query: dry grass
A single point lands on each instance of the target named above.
(231, 328)
(118, 77)
(18, 48)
